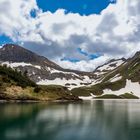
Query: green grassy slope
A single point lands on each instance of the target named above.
(122, 96)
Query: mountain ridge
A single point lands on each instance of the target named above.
(38, 67)
(16, 53)
(107, 76)
(125, 79)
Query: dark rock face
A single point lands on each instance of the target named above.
(15, 53)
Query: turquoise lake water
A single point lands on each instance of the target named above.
(89, 120)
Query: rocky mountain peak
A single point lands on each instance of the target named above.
(16, 53)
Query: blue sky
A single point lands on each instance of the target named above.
(5, 39)
(83, 7)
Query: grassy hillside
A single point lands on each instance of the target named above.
(128, 96)
(17, 86)
(98, 88)
(130, 70)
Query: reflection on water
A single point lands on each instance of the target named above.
(95, 120)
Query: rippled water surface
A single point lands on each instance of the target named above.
(90, 120)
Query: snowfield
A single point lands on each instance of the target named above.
(87, 97)
(70, 83)
(16, 64)
(129, 88)
(116, 78)
(109, 67)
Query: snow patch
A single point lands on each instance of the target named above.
(87, 97)
(73, 82)
(135, 64)
(59, 71)
(36, 66)
(14, 65)
(108, 67)
(116, 78)
(70, 83)
(131, 87)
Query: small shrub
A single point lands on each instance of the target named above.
(37, 89)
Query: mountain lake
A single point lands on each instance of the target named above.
(87, 120)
